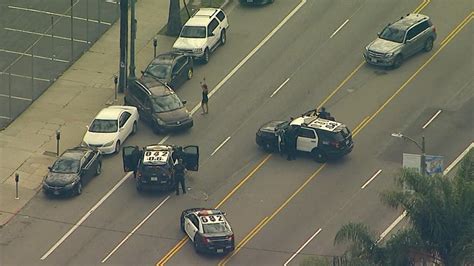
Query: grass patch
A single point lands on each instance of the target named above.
(193, 7)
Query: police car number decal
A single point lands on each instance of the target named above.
(155, 156)
(212, 218)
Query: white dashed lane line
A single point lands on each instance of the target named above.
(338, 29)
(302, 247)
(220, 146)
(281, 86)
(432, 118)
(372, 178)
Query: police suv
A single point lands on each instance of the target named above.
(323, 139)
(208, 229)
(153, 165)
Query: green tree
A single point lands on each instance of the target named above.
(174, 19)
(441, 215)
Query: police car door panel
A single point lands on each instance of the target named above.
(130, 158)
(189, 227)
(191, 157)
(306, 140)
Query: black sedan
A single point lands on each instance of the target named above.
(74, 167)
(172, 68)
(256, 2)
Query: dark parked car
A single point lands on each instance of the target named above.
(75, 166)
(158, 105)
(172, 68)
(256, 2)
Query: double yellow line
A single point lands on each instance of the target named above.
(421, 6)
(361, 125)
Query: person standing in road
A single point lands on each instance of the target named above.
(179, 171)
(205, 98)
(290, 142)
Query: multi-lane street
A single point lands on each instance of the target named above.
(280, 60)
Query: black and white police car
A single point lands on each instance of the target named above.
(208, 229)
(153, 165)
(323, 139)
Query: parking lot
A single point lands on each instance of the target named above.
(39, 40)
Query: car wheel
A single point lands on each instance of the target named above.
(98, 169)
(139, 186)
(117, 147)
(196, 246)
(267, 147)
(398, 61)
(319, 156)
(223, 37)
(205, 57)
(79, 188)
(135, 127)
(181, 222)
(190, 73)
(428, 45)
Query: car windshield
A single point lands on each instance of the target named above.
(103, 126)
(215, 228)
(392, 34)
(166, 103)
(159, 71)
(193, 32)
(65, 165)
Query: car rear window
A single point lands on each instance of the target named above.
(215, 228)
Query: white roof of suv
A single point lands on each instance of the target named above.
(202, 17)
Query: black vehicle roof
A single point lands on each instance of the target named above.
(75, 153)
(156, 87)
(166, 58)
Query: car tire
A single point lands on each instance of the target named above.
(196, 246)
(98, 169)
(205, 57)
(79, 188)
(428, 45)
(223, 38)
(397, 62)
(117, 147)
(125, 102)
(134, 128)
(181, 223)
(267, 147)
(190, 73)
(319, 156)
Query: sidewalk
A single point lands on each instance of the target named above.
(69, 105)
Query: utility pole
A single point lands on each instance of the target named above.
(123, 45)
(133, 36)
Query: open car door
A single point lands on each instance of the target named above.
(191, 157)
(130, 156)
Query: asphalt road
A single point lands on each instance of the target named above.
(287, 202)
(35, 45)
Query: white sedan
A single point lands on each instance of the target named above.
(111, 127)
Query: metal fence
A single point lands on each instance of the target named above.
(40, 40)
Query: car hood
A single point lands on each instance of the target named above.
(189, 43)
(383, 46)
(271, 126)
(173, 116)
(60, 179)
(93, 138)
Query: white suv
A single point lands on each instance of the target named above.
(203, 33)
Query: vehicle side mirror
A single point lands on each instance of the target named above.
(50, 168)
(143, 72)
(87, 126)
(184, 102)
(378, 34)
(211, 34)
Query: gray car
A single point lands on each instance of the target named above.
(400, 40)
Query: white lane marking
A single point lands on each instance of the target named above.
(15, 97)
(112, 2)
(281, 86)
(35, 56)
(458, 159)
(57, 14)
(46, 35)
(135, 229)
(372, 178)
(220, 146)
(338, 29)
(387, 231)
(23, 76)
(446, 171)
(164, 139)
(432, 118)
(302, 247)
(60, 241)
